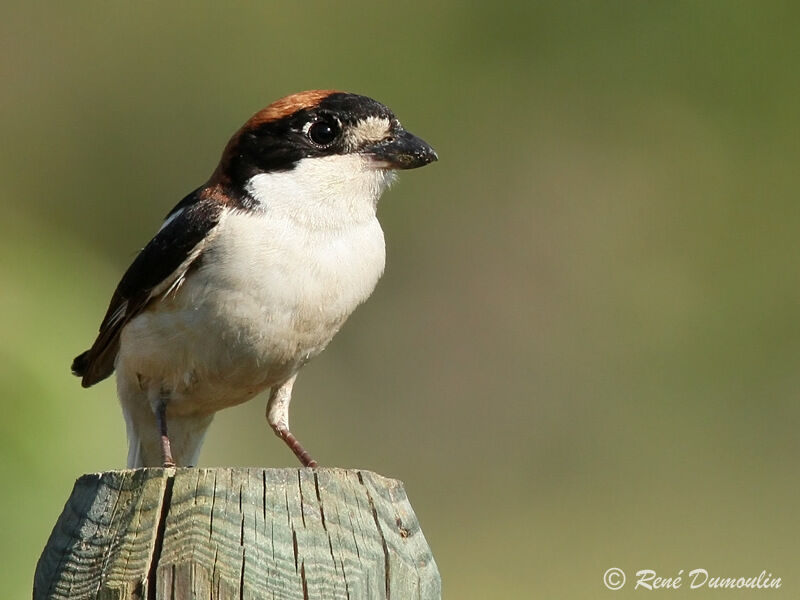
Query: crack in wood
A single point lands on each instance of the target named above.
(294, 547)
(302, 500)
(319, 501)
(303, 580)
(264, 494)
(344, 578)
(241, 575)
(355, 540)
(107, 554)
(161, 526)
(149, 535)
(386, 558)
(213, 503)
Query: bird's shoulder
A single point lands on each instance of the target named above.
(158, 269)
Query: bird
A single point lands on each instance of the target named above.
(253, 273)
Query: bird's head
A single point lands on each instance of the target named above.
(320, 138)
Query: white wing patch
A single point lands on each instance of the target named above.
(118, 314)
(171, 284)
(171, 218)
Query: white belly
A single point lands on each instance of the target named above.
(270, 294)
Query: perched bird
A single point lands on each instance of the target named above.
(253, 273)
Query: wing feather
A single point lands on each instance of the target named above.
(159, 269)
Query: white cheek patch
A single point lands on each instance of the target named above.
(369, 130)
(336, 190)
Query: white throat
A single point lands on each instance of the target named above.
(323, 193)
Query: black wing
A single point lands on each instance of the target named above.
(159, 266)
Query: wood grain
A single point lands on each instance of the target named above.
(237, 533)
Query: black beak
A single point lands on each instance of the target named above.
(403, 150)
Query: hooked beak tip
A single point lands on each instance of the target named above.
(403, 151)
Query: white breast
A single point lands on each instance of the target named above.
(285, 287)
(274, 286)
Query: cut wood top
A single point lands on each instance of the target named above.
(237, 533)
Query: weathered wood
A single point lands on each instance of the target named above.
(237, 533)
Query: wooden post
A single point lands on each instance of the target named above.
(237, 533)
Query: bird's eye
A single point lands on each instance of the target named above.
(324, 132)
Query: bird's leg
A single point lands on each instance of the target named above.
(278, 418)
(160, 410)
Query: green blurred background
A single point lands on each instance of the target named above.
(584, 352)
